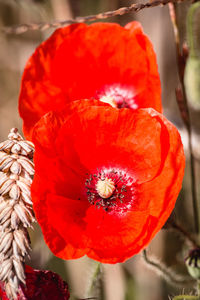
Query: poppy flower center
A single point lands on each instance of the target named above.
(117, 95)
(105, 187)
(109, 189)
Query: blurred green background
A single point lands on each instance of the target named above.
(132, 280)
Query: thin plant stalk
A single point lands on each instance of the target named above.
(193, 45)
(185, 297)
(198, 289)
(173, 278)
(185, 116)
(94, 278)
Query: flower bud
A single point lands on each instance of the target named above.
(193, 263)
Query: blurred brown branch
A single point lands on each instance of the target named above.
(18, 29)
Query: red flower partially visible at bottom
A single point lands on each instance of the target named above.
(41, 285)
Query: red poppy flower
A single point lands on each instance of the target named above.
(40, 285)
(99, 61)
(106, 180)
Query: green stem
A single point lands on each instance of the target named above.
(185, 297)
(191, 29)
(194, 51)
(198, 289)
(193, 185)
(188, 123)
(94, 278)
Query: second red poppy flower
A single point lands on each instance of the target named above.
(100, 61)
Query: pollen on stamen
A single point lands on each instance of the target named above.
(105, 187)
(109, 100)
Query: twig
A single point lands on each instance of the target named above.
(18, 29)
(183, 106)
(169, 275)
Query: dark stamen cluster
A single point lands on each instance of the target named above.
(123, 189)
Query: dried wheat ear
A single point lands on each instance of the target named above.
(16, 214)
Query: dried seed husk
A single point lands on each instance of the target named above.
(27, 177)
(11, 290)
(6, 267)
(5, 146)
(6, 243)
(16, 168)
(5, 213)
(3, 157)
(14, 192)
(28, 147)
(16, 148)
(7, 255)
(14, 135)
(5, 225)
(21, 241)
(5, 163)
(3, 234)
(16, 171)
(14, 220)
(26, 198)
(3, 204)
(27, 165)
(24, 188)
(16, 250)
(6, 186)
(3, 177)
(26, 181)
(19, 268)
(23, 215)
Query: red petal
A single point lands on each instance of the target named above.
(142, 143)
(80, 60)
(104, 136)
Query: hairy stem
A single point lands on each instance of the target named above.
(169, 275)
(96, 276)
